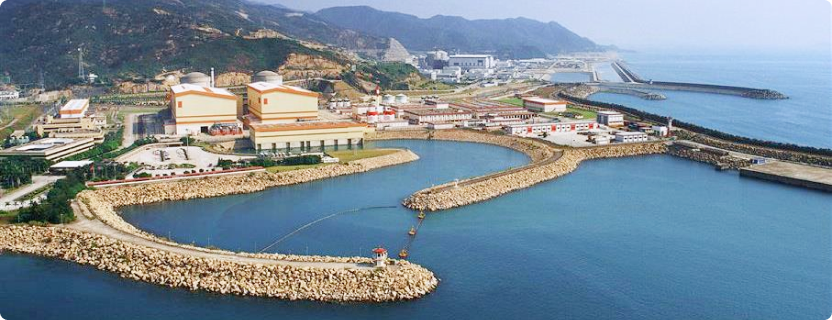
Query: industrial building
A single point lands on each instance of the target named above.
(493, 110)
(627, 137)
(306, 135)
(50, 148)
(610, 118)
(536, 104)
(9, 95)
(422, 116)
(196, 108)
(74, 128)
(550, 127)
(75, 108)
(272, 103)
(471, 61)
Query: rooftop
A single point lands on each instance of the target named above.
(71, 164)
(311, 125)
(192, 88)
(265, 87)
(75, 104)
(543, 100)
(434, 111)
(609, 113)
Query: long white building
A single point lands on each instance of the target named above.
(471, 61)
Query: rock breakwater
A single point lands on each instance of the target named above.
(459, 194)
(141, 256)
(400, 281)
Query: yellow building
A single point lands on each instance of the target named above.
(76, 128)
(306, 135)
(271, 103)
(195, 109)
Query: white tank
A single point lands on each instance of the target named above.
(388, 99)
(401, 98)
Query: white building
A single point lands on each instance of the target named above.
(610, 118)
(450, 75)
(627, 137)
(75, 108)
(471, 61)
(9, 95)
(528, 129)
(537, 104)
(420, 116)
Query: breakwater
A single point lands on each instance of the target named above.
(634, 81)
(400, 281)
(455, 194)
(722, 161)
(548, 162)
(614, 88)
(103, 239)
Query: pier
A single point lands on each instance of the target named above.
(634, 82)
(791, 173)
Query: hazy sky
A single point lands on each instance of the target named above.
(643, 24)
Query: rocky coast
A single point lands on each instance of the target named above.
(116, 246)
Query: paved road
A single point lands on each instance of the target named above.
(95, 226)
(129, 131)
(37, 183)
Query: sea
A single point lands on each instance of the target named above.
(652, 237)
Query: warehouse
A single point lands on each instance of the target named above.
(75, 108)
(306, 135)
(422, 116)
(272, 103)
(471, 61)
(195, 109)
(536, 104)
(627, 137)
(610, 118)
(86, 127)
(550, 127)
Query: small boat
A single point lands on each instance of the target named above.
(403, 254)
(421, 215)
(412, 231)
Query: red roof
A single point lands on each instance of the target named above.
(379, 250)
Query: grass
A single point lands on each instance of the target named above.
(513, 101)
(277, 169)
(24, 114)
(344, 156)
(351, 155)
(588, 114)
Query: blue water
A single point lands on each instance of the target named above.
(568, 77)
(636, 238)
(804, 119)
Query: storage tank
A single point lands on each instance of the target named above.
(388, 99)
(196, 78)
(401, 98)
(269, 77)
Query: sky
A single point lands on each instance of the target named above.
(643, 24)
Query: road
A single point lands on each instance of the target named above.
(85, 224)
(37, 183)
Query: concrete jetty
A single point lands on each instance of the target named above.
(791, 173)
(635, 82)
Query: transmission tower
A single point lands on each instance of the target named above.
(81, 72)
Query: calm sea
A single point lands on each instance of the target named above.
(804, 119)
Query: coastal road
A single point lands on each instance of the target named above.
(85, 224)
(37, 183)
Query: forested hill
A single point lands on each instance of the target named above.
(129, 39)
(507, 38)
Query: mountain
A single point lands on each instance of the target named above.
(138, 40)
(507, 38)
